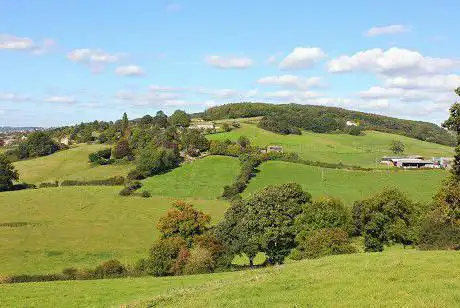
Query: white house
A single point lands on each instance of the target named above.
(351, 123)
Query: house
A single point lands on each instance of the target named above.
(203, 126)
(413, 163)
(351, 123)
(275, 148)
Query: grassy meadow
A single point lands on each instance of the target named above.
(79, 226)
(394, 278)
(347, 185)
(363, 151)
(70, 164)
(202, 179)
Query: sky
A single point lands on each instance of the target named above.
(64, 62)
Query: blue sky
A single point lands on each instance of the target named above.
(65, 62)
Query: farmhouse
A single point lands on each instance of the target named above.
(413, 163)
(351, 123)
(203, 126)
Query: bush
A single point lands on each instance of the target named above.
(146, 194)
(163, 255)
(135, 175)
(113, 181)
(47, 184)
(111, 268)
(325, 242)
(102, 155)
(130, 188)
(436, 236)
(70, 273)
(200, 261)
(321, 214)
(33, 278)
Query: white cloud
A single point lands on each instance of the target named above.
(394, 61)
(8, 41)
(129, 70)
(92, 55)
(302, 57)
(434, 82)
(61, 99)
(391, 29)
(229, 62)
(13, 97)
(291, 81)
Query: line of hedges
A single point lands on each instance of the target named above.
(113, 181)
(248, 170)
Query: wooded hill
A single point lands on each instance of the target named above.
(289, 118)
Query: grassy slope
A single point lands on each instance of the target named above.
(69, 164)
(390, 279)
(347, 185)
(79, 226)
(352, 150)
(203, 178)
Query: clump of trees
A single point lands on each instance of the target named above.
(37, 144)
(101, 157)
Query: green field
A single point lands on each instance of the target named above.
(347, 185)
(69, 164)
(394, 278)
(79, 226)
(334, 148)
(203, 179)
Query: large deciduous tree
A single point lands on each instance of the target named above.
(180, 118)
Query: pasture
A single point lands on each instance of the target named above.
(70, 164)
(364, 151)
(203, 178)
(347, 185)
(394, 278)
(48, 229)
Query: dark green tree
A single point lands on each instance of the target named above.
(179, 118)
(154, 160)
(8, 173)
(453, 124)
(40, 144)
(160, 119)
(193, 141)
(271, 213)
(124, 123)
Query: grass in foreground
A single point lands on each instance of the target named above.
(347, 185)
(203, 179)
(79, 227)
(363, 151)
(70, 164)
(394, 278)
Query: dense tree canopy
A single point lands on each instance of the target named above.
(179, 118)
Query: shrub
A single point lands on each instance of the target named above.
(70, 273)
(102, 155)
(324, 242)
(130, 187)
(181, 261)
(435, 236)
(163, 255)
(135, 175)
(322, 213)
(146, 194)
(33, 278)
(200, 261)
(111, 268)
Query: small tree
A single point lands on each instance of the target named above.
(453, 124)
(244, 142)
(397, 147)
(151, 161)
(163, 256)
(8, 173)
(124, 123)
(40, 144)
(183, 221)
(160, 119)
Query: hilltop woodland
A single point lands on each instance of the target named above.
(280, 221)
(292, 118)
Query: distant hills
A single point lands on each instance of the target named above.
(11, 129)
(301, 117)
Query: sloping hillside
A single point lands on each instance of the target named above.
(394, 278)
(69, 164)
(363, 151)
(301, 115)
